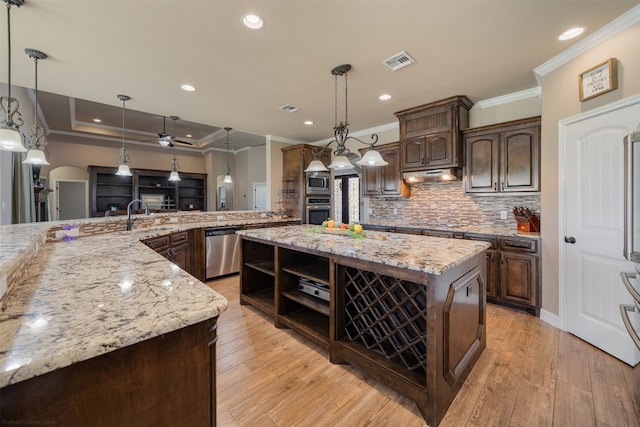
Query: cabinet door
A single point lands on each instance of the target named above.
(520, 169)
(492, 273)
(439, 150)
(371, 180)
(482, 164)
(390, 174)
(413, 153)
(518, 278)
(181, 256)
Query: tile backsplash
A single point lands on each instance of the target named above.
(444, 203)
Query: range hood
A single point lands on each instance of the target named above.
(431, 175)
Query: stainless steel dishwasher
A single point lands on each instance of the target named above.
(223, 252)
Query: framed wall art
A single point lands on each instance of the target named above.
(599, 79)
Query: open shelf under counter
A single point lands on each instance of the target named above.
(315, 304)
(265, 266)
(318, 272)
(262, 300)
(308, 323)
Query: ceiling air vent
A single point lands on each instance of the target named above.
(289, 108)
(399, 60)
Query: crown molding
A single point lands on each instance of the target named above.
(510, 97)
(118, 141)
(621, 23)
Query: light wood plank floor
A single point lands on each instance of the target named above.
(530, 374)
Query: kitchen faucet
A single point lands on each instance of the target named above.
(131, 221)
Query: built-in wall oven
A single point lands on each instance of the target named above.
(631, 280)
(318, 209)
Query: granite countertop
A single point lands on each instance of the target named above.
(434, 255)
(84, 297)
(475, 229)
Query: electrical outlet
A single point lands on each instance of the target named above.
(220, 217)
(156, 221)
(173, 219)
(503, 214)
(395, 211)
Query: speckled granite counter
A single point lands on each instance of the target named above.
(431, 255)
(79, 298)
(494, 231)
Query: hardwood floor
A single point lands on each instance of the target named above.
(531, 374)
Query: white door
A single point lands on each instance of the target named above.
(592, 199)
(259, 196)
(72, 199)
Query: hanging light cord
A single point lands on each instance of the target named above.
(123, 101)
(35, 107)
(9, 49)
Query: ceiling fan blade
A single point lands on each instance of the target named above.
(183, 142)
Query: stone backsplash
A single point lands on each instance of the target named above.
(445, 204)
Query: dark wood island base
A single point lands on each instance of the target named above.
(420, 333)
(169, 380)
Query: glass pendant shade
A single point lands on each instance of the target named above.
(340, 162)
(227, 179)
(372, 158)
(316, 166)
(174, 176)
(10, 140)
(35, 156)
(123, 170)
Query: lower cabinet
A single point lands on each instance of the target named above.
(168, 380)
(177, 248)
(512, 269)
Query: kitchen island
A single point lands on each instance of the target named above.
(98, 329)
(409, 310)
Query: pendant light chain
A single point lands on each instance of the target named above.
(346, 104)
(9, 51)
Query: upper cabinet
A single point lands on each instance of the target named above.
(386, 180)
(430, 136)
(503, 158)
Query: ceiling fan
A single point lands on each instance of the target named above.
(167, 140)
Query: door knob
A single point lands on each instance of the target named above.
(571, 240)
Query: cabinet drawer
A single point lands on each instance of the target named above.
(178, 238)
(493, 240)
(158, 243)
(518, 245)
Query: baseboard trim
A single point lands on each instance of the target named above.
(550, 318)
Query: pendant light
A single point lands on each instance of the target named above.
(123, 168)
(37, 141)
(174, 176)
(10, 138)
(227, 177)
(341, 135)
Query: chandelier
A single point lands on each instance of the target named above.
(37, 141)
(10, 138)
(123, 158)
(227, 176)
(341, 135)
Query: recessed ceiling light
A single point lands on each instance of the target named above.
(97, 120)
(254, 22)
(384, 97)
(188, 88)
(308, 122)
(571, 33)
(189, 135)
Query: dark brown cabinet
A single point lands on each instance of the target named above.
(503, 158)
(107, 188)
(430, 135)
(385, 180)
(177, 248)
(519, 268)
(295, 159)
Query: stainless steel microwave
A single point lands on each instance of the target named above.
(318, 182)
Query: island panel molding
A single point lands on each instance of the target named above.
(598, 80)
